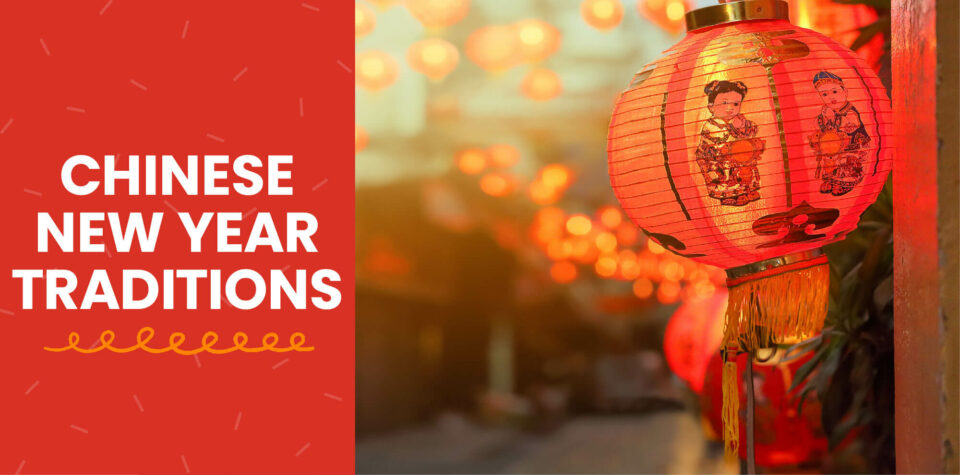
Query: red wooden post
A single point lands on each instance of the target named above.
(925, 246)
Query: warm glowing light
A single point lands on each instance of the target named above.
(629, 269)
(433, 57)
(648, 264)
(472, 161)
(558, 250)
(627, 234)
(675, 10)
(503, 155)
(555, 175)
(383, 4)
(606, 242)
(438, 13)
(376, 70)
(563, 272)
(538, 39)
(668, 292)
(551, 215)
(601, 14)
(704, 288)
(583, 250)
(579, 225)
(667, 14)
(360, 138)
(496, 184)
(654, 247)
(542, 194)
(606, 266)
(643, 288)
(671, 270)
(541, 84)
(365, 20)
(494, 48)
(610, 217)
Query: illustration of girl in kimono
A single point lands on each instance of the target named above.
(841, 139)
(729, 150)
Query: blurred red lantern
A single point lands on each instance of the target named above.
(503, 155)
(784, 435)
(494, 48)
(376, 70)
(471, 161)
(497, 184)
(434, 57)
(602, 14)
(667, 14)
(693, 336)
(537, 39)
(541, 84)
(364, 20)
(438, 13)
(749, 146)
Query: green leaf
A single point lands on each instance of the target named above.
(806, 368)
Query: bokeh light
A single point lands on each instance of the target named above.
(497, 184)
(538, 39)
(365, 20)
(563, 272)
(602, 14)
(472, 161)
(433, 57)
(494, 48)
(438, 13)
(643, 288)
(376, 70)
(503, 155)
(360, 138)
(541, 84)
(579, 225)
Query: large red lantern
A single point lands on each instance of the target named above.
(748, 146)
(693, 336)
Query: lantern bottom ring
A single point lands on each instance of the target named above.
(776, 265)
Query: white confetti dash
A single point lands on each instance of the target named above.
(281, 363)
(105, 7)
(237, 425)
(185, 26)
(94, 344)
(44, 44)
(197, 358)
(302, 449)
(183, 458)
(32, 192)
(248, 213)
(241, 73)
(81, 429)
(4, 129)
(214, 137)
(136, 83)
(109, 254)
(310, 7)
(20, 467)
(169, 205)
(331, 396)
(318, 185)
(76, 109)
(137, 400)
(301, 107)
(5, 311)
(35, 383)
(285, 268)
(344, 66)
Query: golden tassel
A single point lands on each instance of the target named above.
(776, 306)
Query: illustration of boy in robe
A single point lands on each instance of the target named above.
(729, 150)
(842, 137)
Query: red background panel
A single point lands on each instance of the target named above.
(213, 77)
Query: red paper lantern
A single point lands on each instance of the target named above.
(693, 336)
(784, 435)
(748, 146)
(434, 57)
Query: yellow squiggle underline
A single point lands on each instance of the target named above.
(210, 338)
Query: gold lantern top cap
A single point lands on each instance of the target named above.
(737, 11)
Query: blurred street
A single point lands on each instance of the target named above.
(659, 442)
